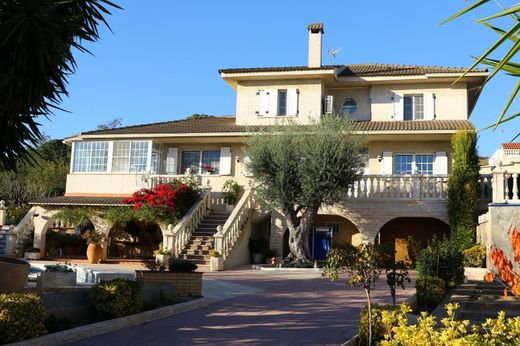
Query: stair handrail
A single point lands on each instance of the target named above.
(181, 233)
(227, 235)
(16, 234)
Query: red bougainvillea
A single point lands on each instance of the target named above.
(165, 200)
(506, 275)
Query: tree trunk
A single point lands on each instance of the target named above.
(299, 230)
(369, 341)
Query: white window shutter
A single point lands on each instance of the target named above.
(387, 162)
(329, 104)
(292, 101)
(273, 103)
(263, 102)
(398, 107)
(172, 160)
(247, 172)
(441, 163)
(225, 161)
(429, 106)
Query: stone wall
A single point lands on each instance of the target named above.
(186, 284)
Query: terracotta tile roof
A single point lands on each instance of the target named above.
(315, 27)
(417, 125)
(513, 146)
(362, 70)
(214, 124)
(81, 201)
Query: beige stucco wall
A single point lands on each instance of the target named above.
(451, 100)
(348, 232)
(360, 95)
(247, 101)
(375, 148)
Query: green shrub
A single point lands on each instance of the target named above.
(184, 266)
(22, 317)
(442, 259)
(378, 329)
(430, 292)
(116, 298)
(475, 256)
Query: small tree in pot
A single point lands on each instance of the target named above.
(257, 248)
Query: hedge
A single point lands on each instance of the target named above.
(430, 292)
(22, 316)
(116, 298)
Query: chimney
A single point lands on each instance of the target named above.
(315, 34)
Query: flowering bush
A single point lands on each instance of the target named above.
(166, 202)
(506, 275)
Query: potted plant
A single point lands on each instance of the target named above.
(95, 242)
(32, 253)
(230, 192)
(270, 256)
(257, 248)
(216, 261)
(162, 255)
(57, 275)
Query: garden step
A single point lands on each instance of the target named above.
(195, 252)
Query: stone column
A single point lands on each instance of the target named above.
(219, 240)
(3, 213)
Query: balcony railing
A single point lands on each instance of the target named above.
(430, 187)
(506, 185)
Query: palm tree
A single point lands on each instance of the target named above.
(36, 42)
(503, 63)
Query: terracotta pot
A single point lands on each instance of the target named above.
(94, 253)
(14, 274)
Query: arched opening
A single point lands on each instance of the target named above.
(422, 229)
(329, 231)
(64, 240)
(134, 240)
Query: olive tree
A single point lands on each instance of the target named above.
(297, 168)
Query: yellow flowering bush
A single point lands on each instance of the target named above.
(499, 331)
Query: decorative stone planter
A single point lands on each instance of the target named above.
(258, 258)
(13, 274)
(32, 255)
(163, 259)
(56, 279)
(216, 264)
(186, 284)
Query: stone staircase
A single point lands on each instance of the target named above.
(3, 243)
(197, 248)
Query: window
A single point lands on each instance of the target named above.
(349, 107)
(413, 164)
(90, 157)
(424, 164)
(413, 107)
(130, 156)
(403, 164)
(282, 102)
(201, 161)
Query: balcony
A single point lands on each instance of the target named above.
(419, 187)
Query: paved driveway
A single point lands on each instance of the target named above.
(259, 308)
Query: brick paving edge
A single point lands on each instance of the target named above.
(89, 330)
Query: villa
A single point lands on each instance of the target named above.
(407, 115)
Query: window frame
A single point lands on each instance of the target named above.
(415, 105)
(200, 163)
(281, 111)
(343, 113)
(74, 157)
(415, 171)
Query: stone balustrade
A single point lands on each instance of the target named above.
(506, 185)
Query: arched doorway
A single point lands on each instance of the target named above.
(64, 240)
(329, 231)
(134, 240)
(421, 229)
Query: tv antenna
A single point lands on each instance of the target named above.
(332, 53)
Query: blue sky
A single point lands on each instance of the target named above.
(161, 61)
